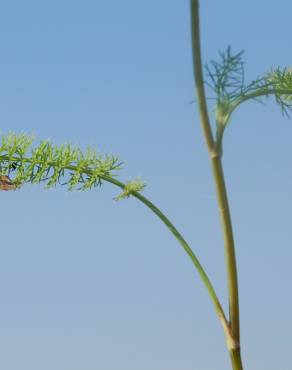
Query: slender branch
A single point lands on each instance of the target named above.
(204, 277)
(183, 243)
(257, 94)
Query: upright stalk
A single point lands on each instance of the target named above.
(233, 341)
(229, 245)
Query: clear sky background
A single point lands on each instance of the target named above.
(87, 283)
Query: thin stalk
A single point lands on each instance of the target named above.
(198, 73)
(222, 199)
(203, 275)
(230, 257)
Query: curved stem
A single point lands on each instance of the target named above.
(204, 277)
(257, 94)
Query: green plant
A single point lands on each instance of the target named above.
(23, 162)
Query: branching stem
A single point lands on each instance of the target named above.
(234, 346)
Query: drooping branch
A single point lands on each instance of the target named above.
(65, 165)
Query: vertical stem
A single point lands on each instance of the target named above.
(233, 340)
(235, 358)
(230, 257)
(229, 246)
(198, 73)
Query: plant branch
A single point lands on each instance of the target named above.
(185, 246)
(89, 171)
(258, 94)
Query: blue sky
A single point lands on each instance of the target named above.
(89, 283)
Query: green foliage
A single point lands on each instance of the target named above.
(227, 79)
(130, 187)
(226, 76)
(52, 164)
(280, 80)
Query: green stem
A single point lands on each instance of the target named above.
(198, 73)
(235, 359)
(217, 305)
(233, 340)
(229, 246)
(204, 277)
(230, 257)
(257, 94)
